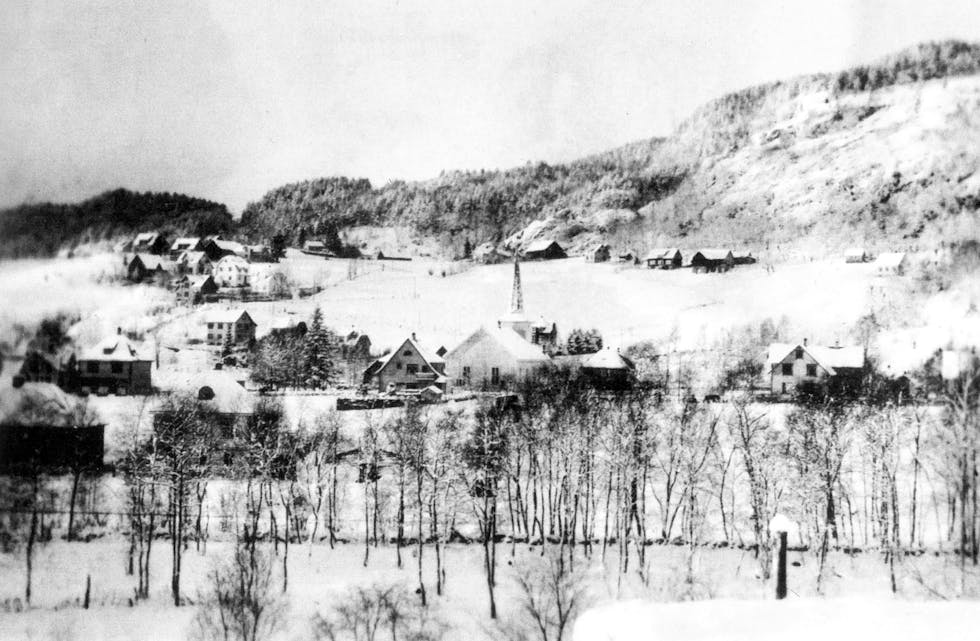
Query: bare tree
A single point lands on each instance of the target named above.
(551, 597)
(376, 613)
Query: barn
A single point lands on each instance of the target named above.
(545, 249)
(664, 258)
(712, 260)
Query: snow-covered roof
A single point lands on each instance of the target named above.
(541, 245)
(429, 357)
(41, 404)
(232, 261)
(192, 257)
(227, 395)
(662, 252)
(146, 237)
(855, 252)
(829, 358)
(608, 358)
(113, 348)
(226, 316)
(508, 340)
(715, 254)
(230, 245)
(890, 259)
(185, 243)
(196, 282)
(152, 261)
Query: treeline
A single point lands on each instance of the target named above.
(43, 229)
(486, 205)
(920, 63)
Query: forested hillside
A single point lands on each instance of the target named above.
(885, 154)
(42, 229)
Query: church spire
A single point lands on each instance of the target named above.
(516, 295)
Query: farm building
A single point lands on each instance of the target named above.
(191, 290)
(608, 369)
(114, 366)
(259, 254)
(742, 257)
(664, 258)
(856, 255)
(316, 248)
(891, 264)
(712, 260)
(494, 357)
(234, 325)
(143, 267)
(188, 244)
(216, 248)
(791, 365)
(287, 325)
(545, 249)
(150, 242)
(194, 263)
(598, 254)
(410, 367)
(231, 271)
(43, 427)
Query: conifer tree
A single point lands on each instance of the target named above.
(319, 353)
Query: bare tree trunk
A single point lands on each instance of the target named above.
(76, 478)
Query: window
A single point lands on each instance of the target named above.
(92, 367)
(412, 368)
(494, 375)
(398, 364)
(799, 353)
(407, 352)
(117, 368)
(466, 372)
(811, 369)
(787, 369)
(210, 325)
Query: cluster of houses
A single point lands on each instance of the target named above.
(700, 261)
(885, 264)
(198, 269)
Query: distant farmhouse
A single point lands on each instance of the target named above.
(193, 262)
(142, 267)
(191, 290)
(235, 326)
(891, 264)
(408, 368)
(316, 248)
(742, 257)
(664, 258)
(114, 366)
(791, 366)
(608, 369)
(856, 255)
(231, 271)
(712, 260)
(216, 249)
(150, 243)
(544, 249)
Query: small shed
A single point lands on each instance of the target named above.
(545, 249)
(856, 255)
(598, 254)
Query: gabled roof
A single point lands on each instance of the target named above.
(608, 358)
(662, 252)
(233, 260)
(152, 261)
(429, 357)
(113, 348)
(185, 243)
(890, 259)
(541, 245)
(230, 246)
(196, 282)
(192, 257)
(148, 237)
(830, 358)
(229, 397)
(715, 254)
(506, 339)
(227, 316)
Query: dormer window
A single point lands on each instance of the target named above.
(799, 353)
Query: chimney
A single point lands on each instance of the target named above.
(804, 342)
(413, 337)
(118, 331)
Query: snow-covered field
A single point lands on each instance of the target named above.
(624, 610)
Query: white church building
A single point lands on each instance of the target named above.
(513, 350)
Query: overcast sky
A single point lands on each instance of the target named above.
(229, 98)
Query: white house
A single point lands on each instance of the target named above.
(791, 364)
(231, 271)
(890, 264)
(492, 356)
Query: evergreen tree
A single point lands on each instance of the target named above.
(320, 348)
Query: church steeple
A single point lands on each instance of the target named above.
(516, 294)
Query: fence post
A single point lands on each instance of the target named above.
(780, 526)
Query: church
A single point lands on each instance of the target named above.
(515, 349)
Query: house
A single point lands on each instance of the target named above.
(150, 242)
(187, 244)
(791, 365)
(287, 326)
(742, 257)
(143, 267)
(316, 248)
(856, 255)
(193, 262)
(410, 367)
(259, 254)
(712, 260)
(43, 427)
(664, 258)
(269, 279)
(191, 290)
(544, 249)
(216, 249)
(41, 367)
(891, 264)
(493, 357)
(231, 271)
(221, 401)
(114, 366)
(608, 369)
(598, 254)
(231, 325)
